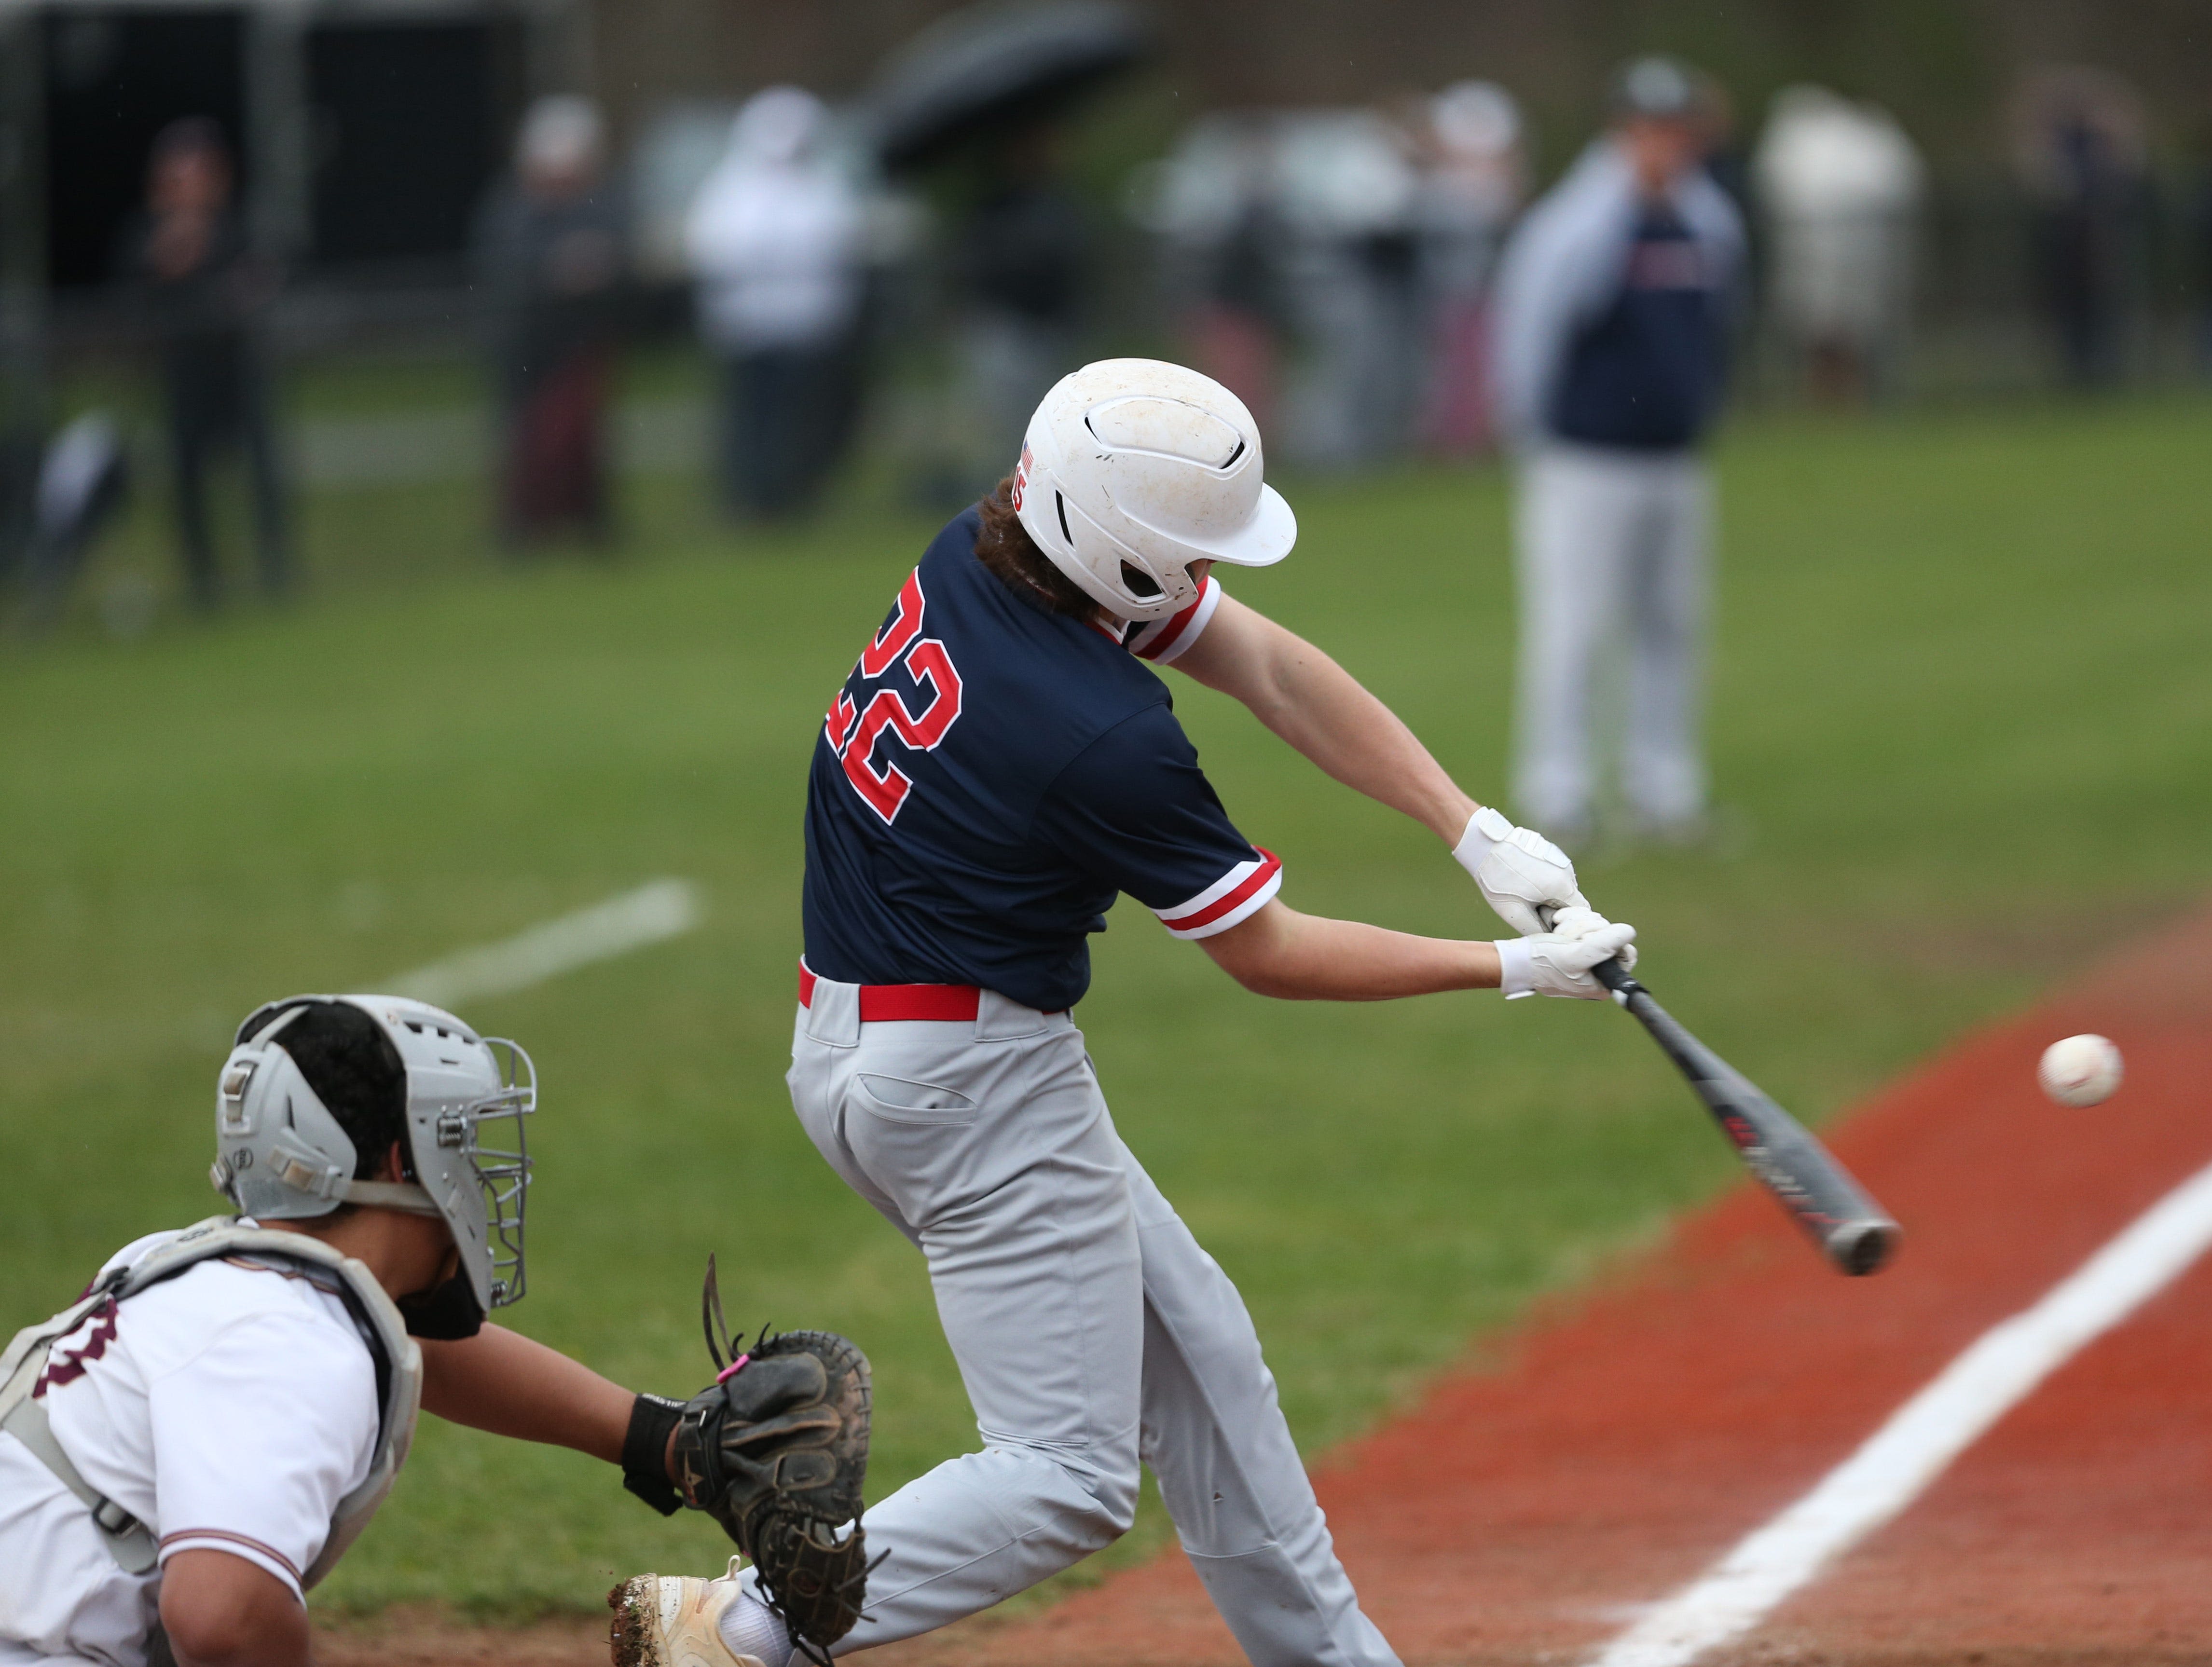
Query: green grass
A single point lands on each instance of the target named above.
(1962, 723)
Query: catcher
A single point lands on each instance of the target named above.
(198, 1438)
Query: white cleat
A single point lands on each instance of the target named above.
(674, 1621)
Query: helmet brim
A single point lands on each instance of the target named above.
(1262, 541)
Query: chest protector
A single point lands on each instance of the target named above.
(399, 1371)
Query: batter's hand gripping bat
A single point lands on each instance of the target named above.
(1848, 1226)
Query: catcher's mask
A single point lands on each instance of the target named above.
(282, 1155)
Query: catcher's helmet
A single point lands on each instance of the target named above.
(1132, 468)
(280, 1154)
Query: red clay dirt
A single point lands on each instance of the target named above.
(1523, 1515)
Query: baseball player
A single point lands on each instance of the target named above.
(1613, 309)
(198, 1438)
(1000, 763)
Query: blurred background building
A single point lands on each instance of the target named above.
(1946, 197)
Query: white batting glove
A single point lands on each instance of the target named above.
(1582, 922)
(1518, 871)
(1559, 962)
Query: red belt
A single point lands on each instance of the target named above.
(889, 1002)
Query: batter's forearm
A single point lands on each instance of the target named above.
(1322, 711)
(1328, 716)
(502, 1381)
(1302, 957)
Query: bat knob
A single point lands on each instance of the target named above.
(1864, 1246)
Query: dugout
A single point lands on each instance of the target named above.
(366, 131)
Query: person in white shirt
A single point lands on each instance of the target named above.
(1840, 184)
(195, 1441)
(775, 240)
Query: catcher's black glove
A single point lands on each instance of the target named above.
(777, 1451)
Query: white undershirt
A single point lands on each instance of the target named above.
(230, 1409)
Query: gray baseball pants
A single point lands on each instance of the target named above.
(1092, 1334)
(1613, 548)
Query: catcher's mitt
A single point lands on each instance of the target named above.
(776, 1450)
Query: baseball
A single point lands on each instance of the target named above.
(2081, 1071)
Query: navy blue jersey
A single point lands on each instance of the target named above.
(1647, 373)
(991, 775)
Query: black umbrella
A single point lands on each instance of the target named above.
(994, 67)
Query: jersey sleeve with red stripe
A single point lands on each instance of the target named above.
(1135, 809)
(1163, 641)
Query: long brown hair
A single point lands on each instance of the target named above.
(1005, 548)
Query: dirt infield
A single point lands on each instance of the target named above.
(1527, 1514)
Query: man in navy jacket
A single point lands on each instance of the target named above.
(1613, 323)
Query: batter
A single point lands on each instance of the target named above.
(1002, 761)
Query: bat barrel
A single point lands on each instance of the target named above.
(1834, 1211)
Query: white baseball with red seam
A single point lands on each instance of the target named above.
(2081, 1071)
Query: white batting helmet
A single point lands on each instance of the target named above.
(280, 1154)
(1132, 468)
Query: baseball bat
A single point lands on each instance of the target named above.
(1851, 1229)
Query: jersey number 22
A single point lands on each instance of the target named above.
(854, 729)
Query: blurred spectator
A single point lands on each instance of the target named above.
(775, 240)
(1612, 324)
(1840, 184)
(1468, 194)
(205, 289)
(1223, 235)
(1022, 263)
(1346, 187)
(553, 266)
(2080, 149)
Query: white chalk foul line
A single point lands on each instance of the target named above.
(2000, 1369)
(662, 909)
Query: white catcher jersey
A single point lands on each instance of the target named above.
(230, 1409)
